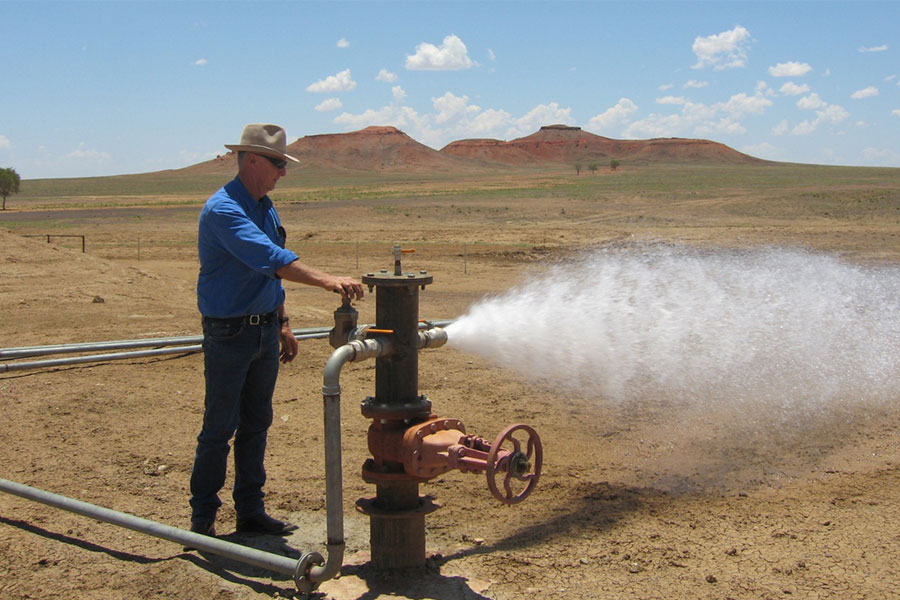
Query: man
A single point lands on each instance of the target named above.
(245, 329)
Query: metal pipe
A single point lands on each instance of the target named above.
(259, 558)
(334, 491)
(174, 343)
(434, 337)
(74, 360)
(28, 351)
(55, 362)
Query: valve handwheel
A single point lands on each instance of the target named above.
(515, 464)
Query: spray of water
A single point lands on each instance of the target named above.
(768, 334)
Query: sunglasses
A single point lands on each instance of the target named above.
(278, 163)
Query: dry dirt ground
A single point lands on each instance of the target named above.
(628, 506)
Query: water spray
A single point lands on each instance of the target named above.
(769, 333)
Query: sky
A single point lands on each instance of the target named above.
(107, 88)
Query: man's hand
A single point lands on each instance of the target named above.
(289, 345)
(347, 287)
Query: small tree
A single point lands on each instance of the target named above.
(578, 167)
(613, 164)
(9, 183)
(592, 168)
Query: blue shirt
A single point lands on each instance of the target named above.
(241, 245)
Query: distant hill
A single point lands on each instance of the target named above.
(372, 149)
(570, 145)
(389, 149)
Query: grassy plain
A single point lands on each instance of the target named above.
(500, 207)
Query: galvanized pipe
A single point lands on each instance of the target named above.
(311, 333)
(266, 560)
(74, 360)
(29, 351)
(334, 491)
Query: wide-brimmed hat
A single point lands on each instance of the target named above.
(263, 138)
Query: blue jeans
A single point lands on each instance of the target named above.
(240, 367)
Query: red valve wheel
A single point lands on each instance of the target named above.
(514, 464)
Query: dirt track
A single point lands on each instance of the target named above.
(631, 504)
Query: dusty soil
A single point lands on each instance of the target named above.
(627, 506)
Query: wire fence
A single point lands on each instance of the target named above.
(59, 235)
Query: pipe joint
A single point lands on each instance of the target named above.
(351, 352)
(434, 337)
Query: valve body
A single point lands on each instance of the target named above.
(410, 444)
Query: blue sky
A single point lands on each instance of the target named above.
(103, 88)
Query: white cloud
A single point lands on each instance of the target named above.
(724, 50)
(450, 107)
(694, 84)
(386, 76)
(491, 54)
(804, 128)
(341, 82)
(700, 119)
(200, 62)
(834, 113)
(725, 125)
(329, 105)
(613, 117)
(880, 48)
(451, 56)
(544, 114)
(671, 100)
(398, 93)
(781, 128)
(867, 92)
(85, 154)
(742, 104)
(454, 118)
(811, 102)
(665, 87)
(792, 89)
(401, 117)
(4, 142)
(790, 69)
(763, 88)
(825, 113)
(343, 43)
(895, 112)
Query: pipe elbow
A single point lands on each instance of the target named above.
(350, 352)
(331, 385)
(312, 569)
(332, 566)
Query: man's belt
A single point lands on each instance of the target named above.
(264, 319)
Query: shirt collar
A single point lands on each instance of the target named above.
(238, 191)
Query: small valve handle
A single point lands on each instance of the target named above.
(398, 252)
(514, 463)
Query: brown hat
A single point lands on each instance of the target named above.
(263, 138)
